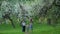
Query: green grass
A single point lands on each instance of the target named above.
(37, 29)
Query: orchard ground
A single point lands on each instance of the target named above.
(37, 29)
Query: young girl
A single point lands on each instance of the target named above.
(31, 26)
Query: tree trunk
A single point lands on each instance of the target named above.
(12, 22)
(49, 21)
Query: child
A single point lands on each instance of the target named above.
(23, 26)
(31, 26)
(27, 28)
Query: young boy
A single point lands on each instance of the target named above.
(27, 28)
(23, 26)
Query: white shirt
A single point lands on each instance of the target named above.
(23, 24)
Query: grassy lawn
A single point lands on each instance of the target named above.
(37, 29)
